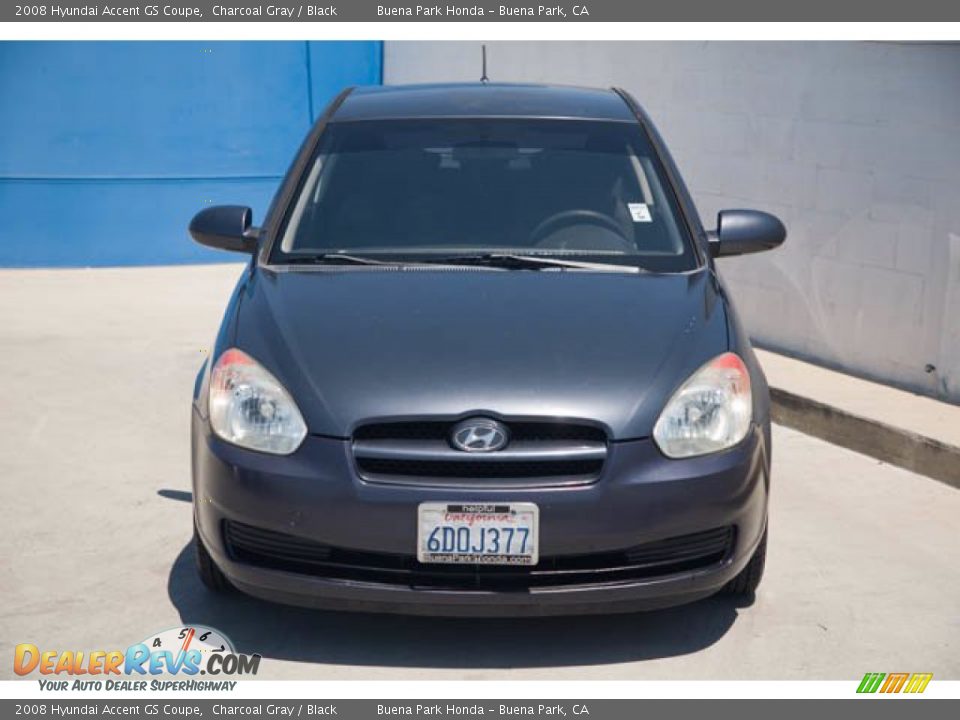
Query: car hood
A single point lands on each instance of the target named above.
(361, 345)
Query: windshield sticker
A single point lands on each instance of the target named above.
(639, 212)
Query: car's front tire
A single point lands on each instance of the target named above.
(210, 575)
(745, 584)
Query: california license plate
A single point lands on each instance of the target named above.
(487, 534)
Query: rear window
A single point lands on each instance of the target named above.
(564, 188)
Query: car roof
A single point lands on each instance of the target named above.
(476, 100)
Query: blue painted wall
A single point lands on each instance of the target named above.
(107, 149)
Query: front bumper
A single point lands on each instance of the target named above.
(641, 497)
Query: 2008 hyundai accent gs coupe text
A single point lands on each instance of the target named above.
(480, 363)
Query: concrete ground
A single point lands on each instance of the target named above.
(96, 369)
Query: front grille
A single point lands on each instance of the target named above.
(519, 431)
(279, 551)
(540, 454)
(478, 470)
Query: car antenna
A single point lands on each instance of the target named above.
(483, 55)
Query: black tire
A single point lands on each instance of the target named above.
(746, 583)
(210, 575)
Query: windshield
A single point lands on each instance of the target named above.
(443, 189)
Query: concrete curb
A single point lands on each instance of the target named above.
(892, 445)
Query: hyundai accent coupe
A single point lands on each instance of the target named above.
(480, 362)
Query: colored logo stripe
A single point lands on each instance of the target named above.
(918, 682)
(894, 682)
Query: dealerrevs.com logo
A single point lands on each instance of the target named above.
(186, 651)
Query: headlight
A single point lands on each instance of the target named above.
(250, 408)
(710, 412)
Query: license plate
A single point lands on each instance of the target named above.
(485, 534)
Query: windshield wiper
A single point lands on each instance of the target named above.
(336, 259)
(511, 261)
(506, 261)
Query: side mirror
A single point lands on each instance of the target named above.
(226, 227)
(745, 231)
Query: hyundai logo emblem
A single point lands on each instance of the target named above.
(479, 435)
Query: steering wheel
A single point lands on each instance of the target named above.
(566, 218)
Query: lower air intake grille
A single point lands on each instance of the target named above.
(279, 551)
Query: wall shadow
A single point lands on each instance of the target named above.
(304, 635)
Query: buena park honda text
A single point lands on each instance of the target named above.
(480, 363)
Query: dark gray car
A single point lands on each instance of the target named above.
(480, 363)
